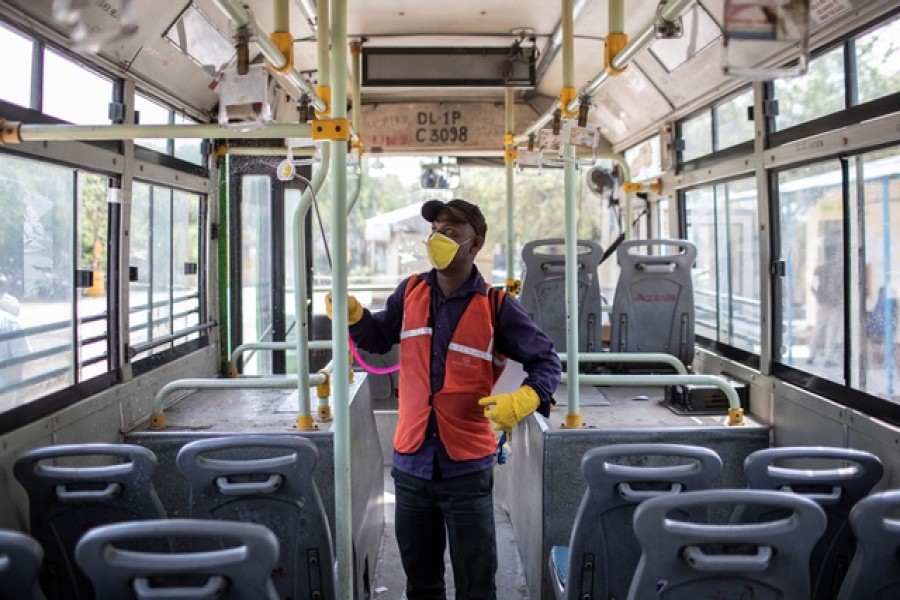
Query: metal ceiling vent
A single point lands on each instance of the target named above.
(512, 66)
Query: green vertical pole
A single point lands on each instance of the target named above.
(339, 326)
(222, 250)
(509, 147)
(573, 416)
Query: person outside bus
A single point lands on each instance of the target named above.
(455, 334)
(15, 345)
(828, 335)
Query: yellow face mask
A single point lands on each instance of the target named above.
(442, 250)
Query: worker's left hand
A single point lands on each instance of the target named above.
(505, 410)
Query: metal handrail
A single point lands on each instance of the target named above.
(138, 348)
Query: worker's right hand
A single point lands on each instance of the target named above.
(354, 309)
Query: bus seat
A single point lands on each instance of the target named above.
(544, 291)
(236, 564)
(602, 546)
(653, 307)
(65, 501)
(20, 560)
(683, 560)
(845, 478)
(267, 479)
(875, 569)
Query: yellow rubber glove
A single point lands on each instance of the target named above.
(505, 410)
(354, 309)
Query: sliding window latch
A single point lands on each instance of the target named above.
(778, 268)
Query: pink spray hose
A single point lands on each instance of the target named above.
(369, 368)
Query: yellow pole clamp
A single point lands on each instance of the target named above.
(508, 140)
(284, 41)
(10, 132)
(614, 44)
(631, 186)
(323, 390)
(358, 144)
(735, 416)
(157, 421)
(510, 155)
(566, 95)
(573, 421)
(305, 423)
(514, 287)
(324, 92)
(336, 130)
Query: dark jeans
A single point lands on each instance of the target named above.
(430, 513)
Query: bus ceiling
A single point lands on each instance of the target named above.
(666, 56)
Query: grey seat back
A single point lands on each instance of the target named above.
(875, 570)
(544, 291)
(620, 476)
(653, 307)
(236, 563)
(846, 477)
(66, 501)
(20, 560)
(682, 560)
(267, 479)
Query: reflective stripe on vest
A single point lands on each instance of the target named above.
(470, 373)
(415, 332)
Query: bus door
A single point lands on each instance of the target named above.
(261, 259)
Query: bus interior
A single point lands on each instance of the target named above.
(694, 199)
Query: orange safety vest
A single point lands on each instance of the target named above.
(472, 369)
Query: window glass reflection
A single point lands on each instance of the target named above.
(812, 301)
(188, 149)
(722, 222)
(877, 180)
(62, 78)
(36, 313)
(15, 85)
(878, 62)
(733, 126)
(151, 113)
(818, 93)
(696, 134)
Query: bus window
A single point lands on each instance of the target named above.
(878, 62)
(15, 86)
(722, 223)
(812, 293)
(878, 183)
(61, 77)
(818, 93)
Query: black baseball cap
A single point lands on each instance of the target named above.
(462, 210)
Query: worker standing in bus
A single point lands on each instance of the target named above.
(455, 333)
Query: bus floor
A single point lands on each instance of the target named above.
(390, 581)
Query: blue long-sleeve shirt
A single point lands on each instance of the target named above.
(516, 336)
